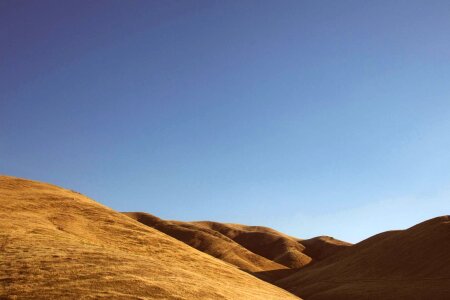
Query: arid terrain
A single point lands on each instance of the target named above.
(259, 250)
(56, 243)
(402, 264)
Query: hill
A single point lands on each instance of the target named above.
(403, 264)
(262, 251)
(264, 241)
(211, 242)
(56, 243)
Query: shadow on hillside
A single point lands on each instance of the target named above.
(274, 275)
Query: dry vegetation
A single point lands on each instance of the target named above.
(59, 244)
(259, 250)
(210, 242)
(404, 264)
(56, 244)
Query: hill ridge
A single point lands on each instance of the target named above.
(60, 244)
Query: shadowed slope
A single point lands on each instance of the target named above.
(56, 243)
(322, 247)
(264, 241)
(210, 242)
(260, 250)
(406, 264)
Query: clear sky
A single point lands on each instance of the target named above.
(312, 117)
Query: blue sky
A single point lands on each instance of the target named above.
(312, 117)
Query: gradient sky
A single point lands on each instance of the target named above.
(312, 117)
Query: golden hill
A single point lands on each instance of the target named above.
(263, 251)
(264, 241)
(404, 264)
(55, 243)
(210, 242)
(322, 247)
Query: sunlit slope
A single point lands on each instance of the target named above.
(210, 242)
(55, 243)
(404, 264)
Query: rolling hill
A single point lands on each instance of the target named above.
(262, 251)
(56, 243)
(210, 242)
(403, 264)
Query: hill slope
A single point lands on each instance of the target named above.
(263, 241)
(55, 243)
(322, 247)
(210, 242)
(404, 264)
(263, 251)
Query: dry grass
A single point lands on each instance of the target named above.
(322, 247)
(209, 241)
(404, 264)
(262, 251)
(264, 241)
(58, 244)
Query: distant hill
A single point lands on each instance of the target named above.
(210, 242)
(260, 250)
(403, 264)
